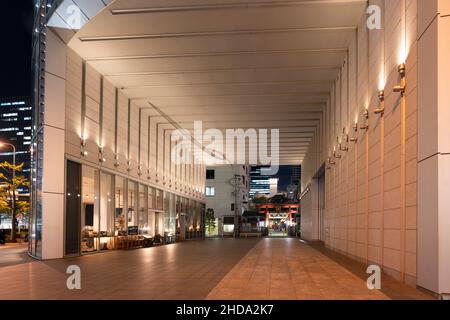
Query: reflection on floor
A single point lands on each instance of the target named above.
(12, 254)
(288, 269)
(270, 268)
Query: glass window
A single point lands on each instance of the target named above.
(210, 191)
(151, 198)
(120, 220)
(89, 210)
(152, 223)
(106, 211)
(143, 212)
(210, 174)
(159, 200)
(132, 209)
(169, 215)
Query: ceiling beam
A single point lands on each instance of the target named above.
(242, 83)
(228, 6)
(217, 54)
(253, 69)
(214, 33)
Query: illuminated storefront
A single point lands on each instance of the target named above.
(105, 211)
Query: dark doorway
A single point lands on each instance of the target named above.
(73, 209)
(321, 202)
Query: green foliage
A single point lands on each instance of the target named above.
(11, 180)
(260, 199)
(210, 220)
(279, 199)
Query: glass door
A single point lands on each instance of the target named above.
(89, 210)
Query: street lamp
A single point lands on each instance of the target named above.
(237, 181)
(13, 222)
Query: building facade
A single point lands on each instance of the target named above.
(16, 129)
(101, 164)
(261, 183)
(381, 198)
(227, 193)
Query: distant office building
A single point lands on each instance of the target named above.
(295, 175)
(227, 192)
(292, 189)
(15, 128)
(262, 183)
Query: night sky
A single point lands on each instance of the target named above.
(284, 174)
(15, 63)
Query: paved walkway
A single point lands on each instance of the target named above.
(287, 269)
(211, 269)
(14, 253)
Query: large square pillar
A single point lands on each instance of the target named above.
(433, 259)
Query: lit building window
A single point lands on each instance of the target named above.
(8, 129)
(210, 191)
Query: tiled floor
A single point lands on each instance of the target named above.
(11, 254)
(210, 269)
(188, 270)
(288, 269)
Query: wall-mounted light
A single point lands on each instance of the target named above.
(101, 158)
(116, 160)
(366, 113)
(381, 95)
(345, 149)
(402, 70)
(401, 87)
(365, 126)
(380, 109)
(84, 153)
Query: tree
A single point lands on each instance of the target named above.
(210, 220)
(279, 199)
(9, 183)
(260, 200)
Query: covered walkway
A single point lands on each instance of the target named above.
(354, 91)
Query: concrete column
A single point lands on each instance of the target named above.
(53, 176)
(433, 260)
(310, 213)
